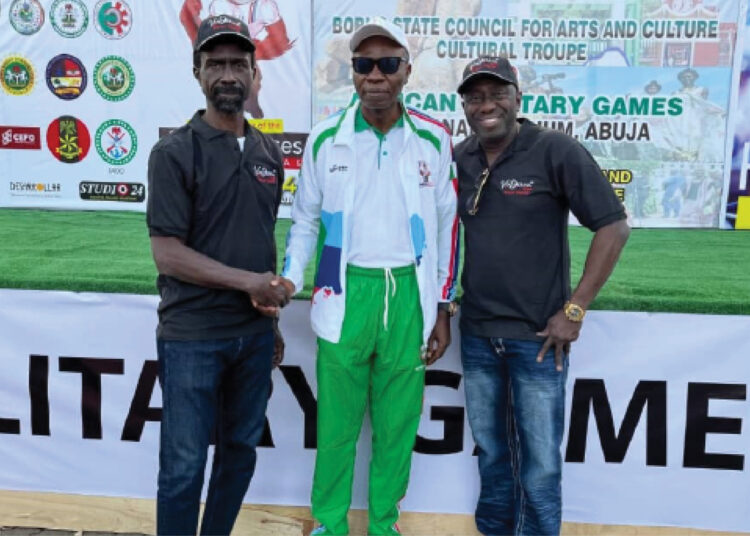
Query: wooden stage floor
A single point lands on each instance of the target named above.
(79, 515)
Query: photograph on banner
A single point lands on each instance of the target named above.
(736, 207)
(638, 82)
(88, 100)
(646, 129)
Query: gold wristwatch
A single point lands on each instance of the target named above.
(449, 307)
(573, 312)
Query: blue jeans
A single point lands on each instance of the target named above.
(516, 410)
(208, 385)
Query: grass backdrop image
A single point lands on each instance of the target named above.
(660, 270)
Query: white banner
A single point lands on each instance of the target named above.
(88, 87)
(655, 413)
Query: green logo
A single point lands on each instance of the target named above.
(116, 142)
(114, 78)
(17, 75)
(113, 19)
(69, 18)
(26, 16)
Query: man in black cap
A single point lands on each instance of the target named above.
(214, 190)
(517, 184)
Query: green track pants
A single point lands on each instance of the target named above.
(376, 360)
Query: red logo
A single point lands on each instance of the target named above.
(68, 139)
(20, 138)
(489, 65)
(292, 162)
(223, 22)
(517, 186)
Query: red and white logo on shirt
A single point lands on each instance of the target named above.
(516, 186)
(264, 175)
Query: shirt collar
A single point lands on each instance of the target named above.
(361, 124)
(198, 124)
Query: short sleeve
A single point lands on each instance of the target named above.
(169, 207)
(590, 196)
(279, 159)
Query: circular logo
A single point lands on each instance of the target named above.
(113, 19)
(68, 139)
(116, 142)
(26, 16)
(114, 78)
(66, 76)
(17, 75)
(69, 18)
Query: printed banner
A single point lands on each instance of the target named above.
(651, 422)
(736, 209)
(644, 85)
(88, 87)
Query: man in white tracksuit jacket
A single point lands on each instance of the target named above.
(377, 196)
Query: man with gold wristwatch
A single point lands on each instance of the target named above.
(517, 184)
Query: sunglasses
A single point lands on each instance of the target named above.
(472, 204)
(387, 65)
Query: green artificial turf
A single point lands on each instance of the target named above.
(670, 270)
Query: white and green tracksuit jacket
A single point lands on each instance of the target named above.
(323, 206)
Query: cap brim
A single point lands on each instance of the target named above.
(233, 36)
(487, 74)
(373, 30)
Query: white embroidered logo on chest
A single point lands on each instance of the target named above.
(338, 167)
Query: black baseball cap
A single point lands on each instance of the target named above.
(223, 26)
(495, 67)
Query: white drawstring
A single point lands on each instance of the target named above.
(389, 280)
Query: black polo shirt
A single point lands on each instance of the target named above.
(516, 271)
(221, 202)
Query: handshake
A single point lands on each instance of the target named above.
(269, 293)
